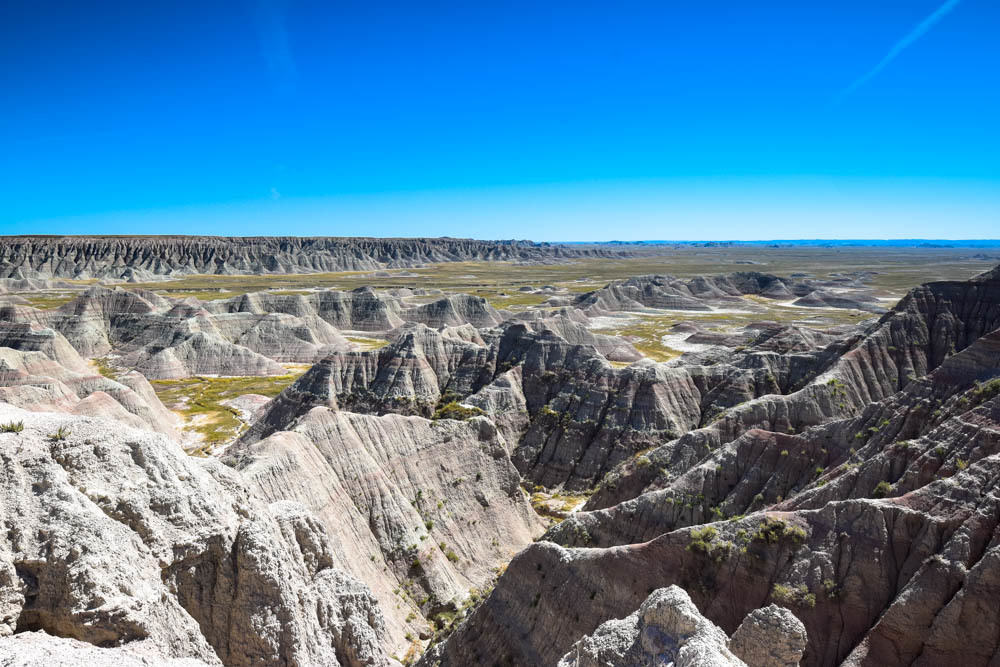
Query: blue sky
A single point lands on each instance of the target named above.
(550, 121)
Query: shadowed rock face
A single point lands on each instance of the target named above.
(125, 257)
(879, 531)
(580, 418)
(113, 536)
(931, 323)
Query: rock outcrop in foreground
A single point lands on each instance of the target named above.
(113, 537)
(127, 257)
(669, 630)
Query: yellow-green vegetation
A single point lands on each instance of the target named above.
(104, 368)
(896, 270)
(366, 343)
(773, 531)
(48, 300)
(199, 401)
(12, 427)
(455, 410)
(61, 434)
(882, 489)
(793, 595)
(555, 505)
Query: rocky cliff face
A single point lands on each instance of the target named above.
(124, 257)
(783, 495)
(877, 529)
(115, 538)
(424, 510)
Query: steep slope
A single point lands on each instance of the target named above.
(929, 324)
(424, 511)
(33, 381)
(879, 530)
(113, 537)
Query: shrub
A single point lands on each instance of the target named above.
(882, 489)
(60, 434)
(961, 464)
(793, 595)
(12, 427)
(455, 410)
(773, 531)
(702, 538)
(452, 556)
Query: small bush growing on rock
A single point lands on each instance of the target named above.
(454, 410)
(987, 390)
(793, 595)
(702, 538)
(882, 489)
(961, 464)
(452, 556)
(12, 427)
(61, 434)
(773, 531)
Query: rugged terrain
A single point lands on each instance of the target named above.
(137, 258)
(809, 476)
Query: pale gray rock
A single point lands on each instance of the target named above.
(32, 381)
(81, 257)
(113, 537)
(667, 629)
(770, 637)
(32, 649)
(432, 507)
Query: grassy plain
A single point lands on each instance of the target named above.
(895, 271)
(199, 401)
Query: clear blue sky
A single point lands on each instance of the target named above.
(542, 120)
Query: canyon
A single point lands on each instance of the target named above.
(397, 459)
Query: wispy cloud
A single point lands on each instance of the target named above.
(273, 34)
(919, 31)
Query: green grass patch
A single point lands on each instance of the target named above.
(48, 301)
(199, 401)
(366, 343)
(455, 410)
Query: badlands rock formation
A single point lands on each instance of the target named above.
(704, 292)
(425, 510)
(669, 629)
(125, 257)
(781, 495)
(878, 530)
(113, 537)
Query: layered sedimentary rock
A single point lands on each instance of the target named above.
(423, 511)
(930, 323)
(33, 381)
(126, 257)
(879, 530)
(705, 292)
(115, 538)
(581, 417)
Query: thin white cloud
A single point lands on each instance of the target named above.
(919, 31)
(274, 45)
